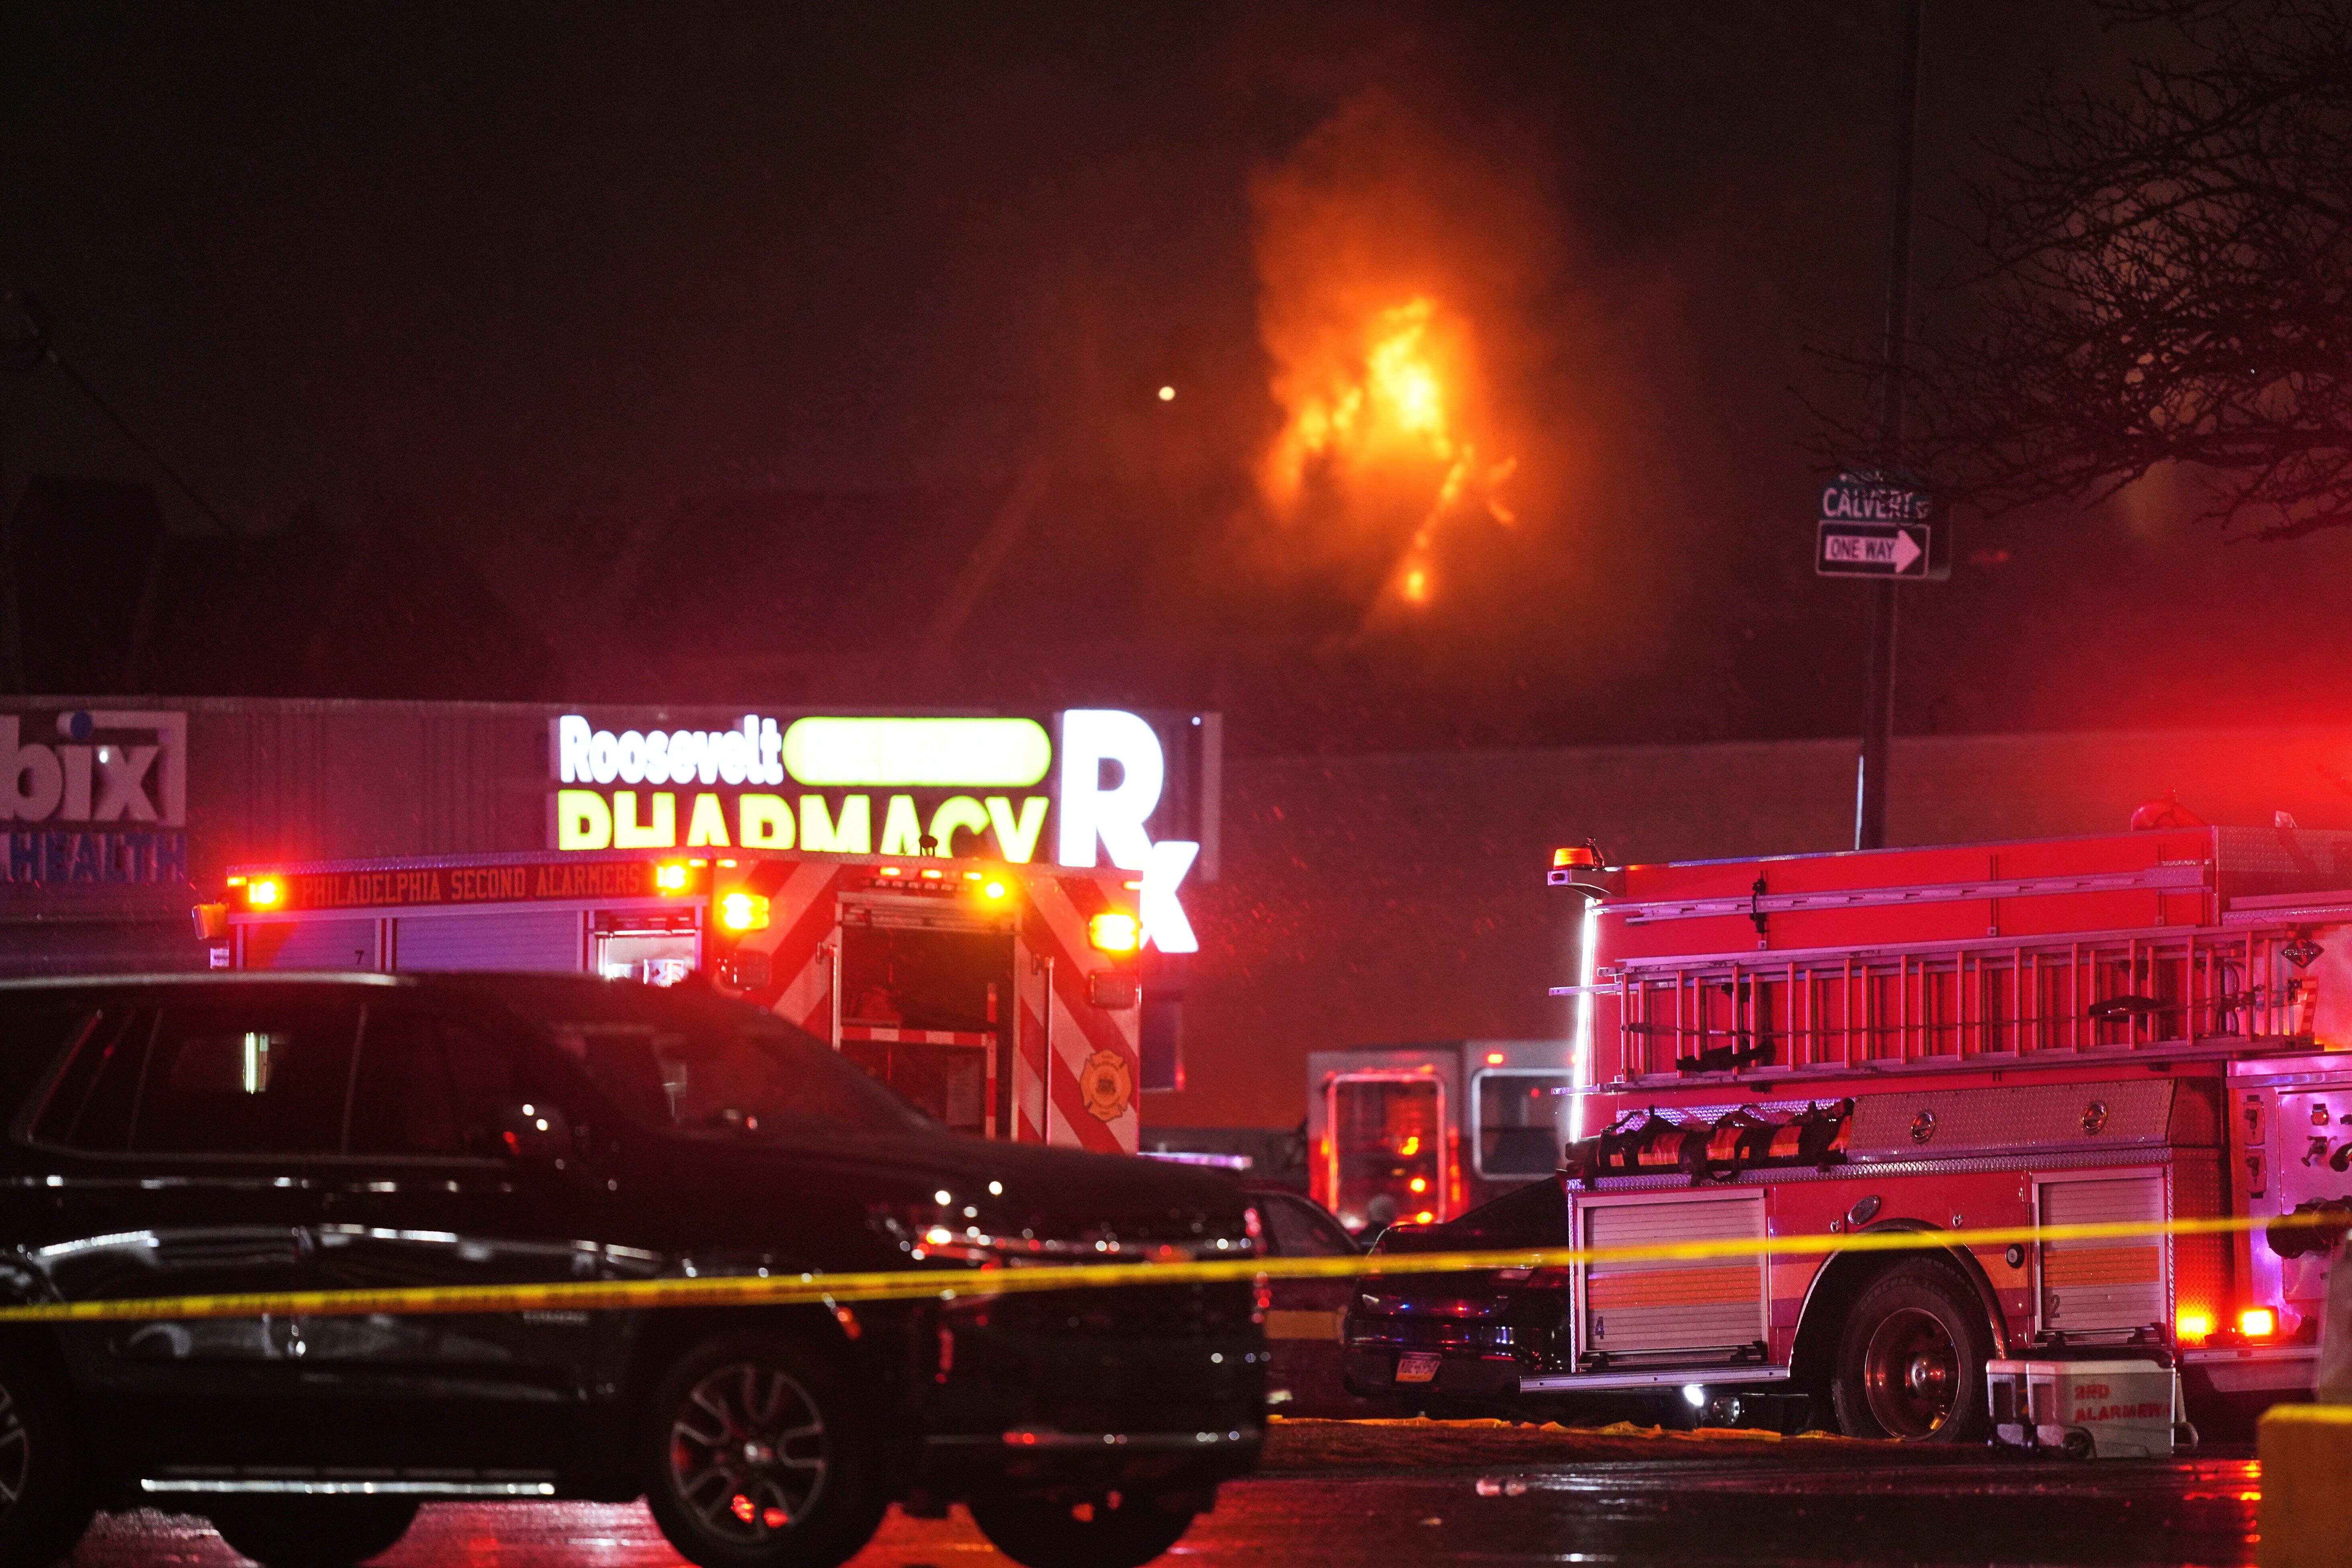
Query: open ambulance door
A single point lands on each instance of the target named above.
(1389, 1150)
(979, 996)
(922, 994)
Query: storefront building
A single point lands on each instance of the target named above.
(429, 814)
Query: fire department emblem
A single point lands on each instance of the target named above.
(1106, 1085)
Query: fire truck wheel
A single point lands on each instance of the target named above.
(1911, 1358)
(758, 1454)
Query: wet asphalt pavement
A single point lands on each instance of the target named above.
(1788, 1507)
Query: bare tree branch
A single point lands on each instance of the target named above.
(2162, 278)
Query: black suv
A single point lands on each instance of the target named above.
(197, 1136)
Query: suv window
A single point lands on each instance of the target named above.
(429, 1085)
(265, 1076)
(730, 1071)
(90, 1105)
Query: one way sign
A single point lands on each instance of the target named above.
(1871, 549)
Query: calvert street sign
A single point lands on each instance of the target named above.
(1875, 524)
(1865, 496)
(1871, 549)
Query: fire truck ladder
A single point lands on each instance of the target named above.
(1930, 1002)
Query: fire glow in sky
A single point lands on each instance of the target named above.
(1375, 367)
(1378, 416)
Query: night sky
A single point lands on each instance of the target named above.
(541, 273)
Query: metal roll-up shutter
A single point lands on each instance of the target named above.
(517, 939)
(1695, 1304)
(345, 942)
(2108, 1282)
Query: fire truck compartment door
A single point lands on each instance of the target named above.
(2108, 1282)
(1647, 1306)
(345, 942)
(508, 938)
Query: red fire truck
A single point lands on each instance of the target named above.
(1005, 999)
(2137, 1027)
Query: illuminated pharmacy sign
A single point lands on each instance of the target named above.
(1086, 785)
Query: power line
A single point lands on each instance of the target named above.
(37, 346)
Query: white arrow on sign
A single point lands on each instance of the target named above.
(1874, 550)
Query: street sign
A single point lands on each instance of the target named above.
(1864, 495)
(1872, 549)
(1875, 524)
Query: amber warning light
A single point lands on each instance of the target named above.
(1113, 931)
(2258, 1322)
(1580, 868)
(263, 893)
(743, 911)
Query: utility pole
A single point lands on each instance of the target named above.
(1878, 709)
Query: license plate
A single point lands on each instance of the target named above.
(1418, 1368)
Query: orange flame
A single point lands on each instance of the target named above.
(1385, 409)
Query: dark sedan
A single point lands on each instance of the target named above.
(1305, 1315)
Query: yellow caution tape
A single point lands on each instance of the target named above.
(1016, 1276)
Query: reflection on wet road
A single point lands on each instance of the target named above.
(1787, 1509)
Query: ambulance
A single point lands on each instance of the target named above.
(1420, 1133)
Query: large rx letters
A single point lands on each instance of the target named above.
(1112, 818)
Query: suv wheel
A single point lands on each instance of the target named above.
(311, 1531)
(44, 1502)
(1911, 1358)
(757, 1454)
(1116, 1531)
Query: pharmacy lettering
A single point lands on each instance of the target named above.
(106, 801)
(997, 787)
